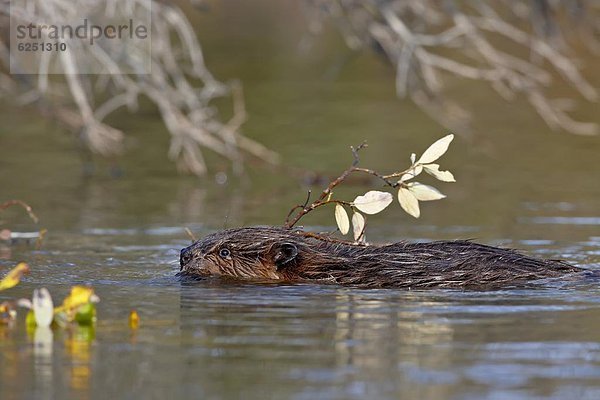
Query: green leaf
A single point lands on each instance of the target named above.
(409, 202)
(86, 314)
(341, 218)
(30, 319)
(373, 201)
(436, 150)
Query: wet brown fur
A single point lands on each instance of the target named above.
(269, 253)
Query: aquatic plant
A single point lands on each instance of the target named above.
(78, 306)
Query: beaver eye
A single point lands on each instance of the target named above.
(224, 253)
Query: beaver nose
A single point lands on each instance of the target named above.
(185, 257)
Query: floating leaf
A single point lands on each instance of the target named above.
(86, 314)
(373, 201)
(434, 170)
(436, 150)
(25, 303)
(409, 202)
(358, 225)
(134, 319)
(7, 313)
(341, 218)
(79, 296)
(30, 319)
(424, 192)
(14, 276)
(412, 173)
(43, 309)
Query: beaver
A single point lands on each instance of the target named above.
(293, 255)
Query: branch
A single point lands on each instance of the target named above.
(326, 192)
(25, 206)
(180, 84)
(428, 40)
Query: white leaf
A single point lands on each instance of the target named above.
(373, 201)
(25, 303)
(413, 157)
(341, 218)
(409, 202)
(412, 173)
(358, 225)
(424, 192)
(436, 150)
(434, 170)
(43, 309)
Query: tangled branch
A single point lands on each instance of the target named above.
(179, 85)
(426, 40)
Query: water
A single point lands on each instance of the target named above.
(518, 185)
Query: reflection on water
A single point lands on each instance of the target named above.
(337, 343)
(78, 347)
(43, 342)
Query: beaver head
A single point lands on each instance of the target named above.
(249, 253)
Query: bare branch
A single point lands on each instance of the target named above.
(427, 40)
(22, 204)
(180, 84)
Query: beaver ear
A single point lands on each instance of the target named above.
(284, 253)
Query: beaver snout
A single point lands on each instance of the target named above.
(185, 257)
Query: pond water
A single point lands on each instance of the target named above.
(518, 185)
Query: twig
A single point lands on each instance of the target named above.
(190, 234)
(21, 203)
(40, 240)
(323, 199)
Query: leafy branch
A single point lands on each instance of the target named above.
(373, 202)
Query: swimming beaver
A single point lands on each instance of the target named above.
(280, 254)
